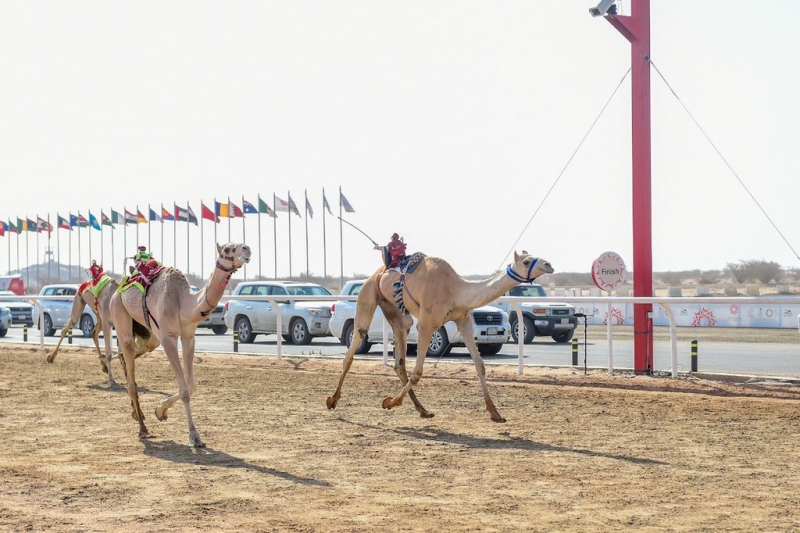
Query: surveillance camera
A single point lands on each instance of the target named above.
(605, 7)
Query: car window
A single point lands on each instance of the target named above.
(50, 292)
(71, 291)
(355, 289)
(279, 291)
(245, 290)
(261, 290)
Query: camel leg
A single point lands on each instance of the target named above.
(467, 333)
(74, 316)
(401, 323)
(188, 361)
(108, 356)
(170, 344)
(127, 345)
(365, 309)
(425, 334)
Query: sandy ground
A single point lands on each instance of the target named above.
(578, 453)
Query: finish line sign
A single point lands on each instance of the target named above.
(608, 271)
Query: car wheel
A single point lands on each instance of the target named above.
(287, 339)
(3, 332)
(489, 349)
(299, 332)
(527, 324)
(440, 344)
(48, 328)
(244, 330)
(87, 326)
(364, 347)
(564, 336)
(220, 330)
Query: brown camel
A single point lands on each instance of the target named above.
(435, 294)
(172, 312)
(100, 306)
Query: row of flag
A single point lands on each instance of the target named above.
(178, 214)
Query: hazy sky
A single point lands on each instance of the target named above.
(445, 121)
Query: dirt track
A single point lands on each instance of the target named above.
(579, 453)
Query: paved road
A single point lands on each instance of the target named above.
(775, 359)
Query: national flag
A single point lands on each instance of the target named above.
(281, 205)
(264, 208)
(325, 203)
(207, 213)
(308, 209)
(293, 206)
(222, 210)
(63, 223)
(130, 218)
(248, 208)
(105, 221)
(3, 228)
(140, 218)
(166, 216)
(154, 217)
(181, 214)
(12, 228)
(116, 218)
(192, 216)
(44, 225)
(73, 221)
(81, 221)
(32, 225)
(93, 222)
(234, 210)
(345, 204)
(22, 225)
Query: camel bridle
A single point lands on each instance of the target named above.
(516, 277)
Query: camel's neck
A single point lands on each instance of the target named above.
(482, 292)
(210, 295)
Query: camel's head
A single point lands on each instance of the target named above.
(527, 268)
(234, 255)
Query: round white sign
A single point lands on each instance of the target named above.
(608, 271)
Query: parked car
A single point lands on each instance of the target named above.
(56, 312)
(491, 326)
(21, 311)
(5, 320)
(552, 319)
(215, 320)
(301, 321)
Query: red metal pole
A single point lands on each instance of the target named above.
(636, 29)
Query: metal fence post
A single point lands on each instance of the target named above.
(69, 336)
(235, 341)
(694, 355)
(574, 352)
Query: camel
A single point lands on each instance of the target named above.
(435, 294)
(100, 306)
(168, 312)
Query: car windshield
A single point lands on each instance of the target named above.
(308, 290)
(9, 293)
(527, 290)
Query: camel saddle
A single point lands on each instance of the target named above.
(408, 265)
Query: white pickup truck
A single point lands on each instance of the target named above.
(551, 319)
(491, 325)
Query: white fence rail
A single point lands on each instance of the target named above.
(753, 312)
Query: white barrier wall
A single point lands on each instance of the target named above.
(729, 315)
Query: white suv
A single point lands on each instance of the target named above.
(301, 321)
(491, 327)
(56, 312)
(553, 319)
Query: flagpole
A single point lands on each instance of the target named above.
(187, 237)
(341, 241)
(58, 243)
(229, 219)
(175, 235)
(102, 245)
(259, 235)
(275, 233)
(124, 236)
(305, 191)
(202, 218)
(289, 195)
(215, 223)
(69, 268)
(113, 229)
(78, 225)
(137, 226)
(89, 227)
(38, 278)
(324, 239)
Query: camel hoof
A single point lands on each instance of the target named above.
(426, 415)
(162, 417)
(144, 434)
(499, 420)
(51, 358)
(387, 402)
(198, 444)
(331, 402)
(104, 367)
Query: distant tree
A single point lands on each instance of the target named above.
(670, 278)
(764, 271)
(709, 277)
(737, 271)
